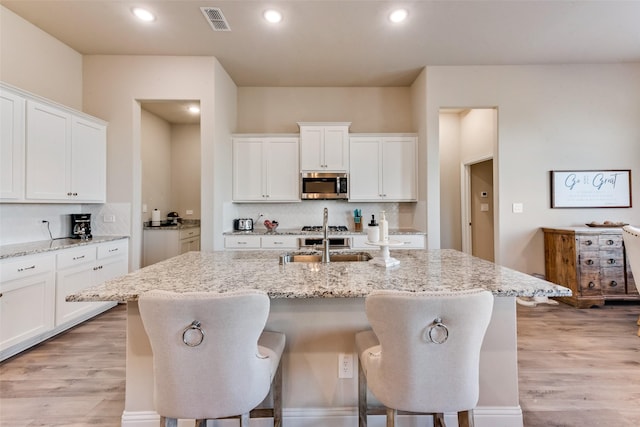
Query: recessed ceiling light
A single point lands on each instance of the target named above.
(143, 14)
(398, 15)
(194, 109)
(272, 16)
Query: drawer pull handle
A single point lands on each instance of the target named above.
(611, 261)
(588, 243)
(114, 250)
(78, 257)
(613, 284)
(278, 243)
(609, 242)
(27, 268)
(589, 262)
(592, 285)
(242, 243)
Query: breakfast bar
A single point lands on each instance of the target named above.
(320, 307)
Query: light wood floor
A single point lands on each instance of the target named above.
(577, 368)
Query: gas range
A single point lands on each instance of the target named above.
(318, 228)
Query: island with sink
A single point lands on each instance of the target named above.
(320, 306)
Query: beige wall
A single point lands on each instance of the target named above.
(156, 155)
(36, 62)
(113, 86)
(550, 118)
(370, 109)
(450, 202)
(185, 170)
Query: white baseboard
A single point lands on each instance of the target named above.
(503, 416)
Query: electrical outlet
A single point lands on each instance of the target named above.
(189, 212)
(345, 365)
(109, 218)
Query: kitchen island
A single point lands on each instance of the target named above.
(320, 307)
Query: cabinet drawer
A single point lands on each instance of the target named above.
(70, 257)
(242, 242)
(612, 281)
(278, 242)
(608, 241)
(590, 283)
(409, 241)
(189, 232)
(106, 250)
(589, 261)
(25, 267)
(587, 243)
(612, 258)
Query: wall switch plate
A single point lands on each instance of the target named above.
(144, 208)
(189, 212)
(109, 218)
(484, 207)
(518, 208)
(345, 365)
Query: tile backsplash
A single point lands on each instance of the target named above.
(296, 215)
(21, 223)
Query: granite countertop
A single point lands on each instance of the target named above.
(181, 226)
(419, 270)
(31, 248)
(298, 232)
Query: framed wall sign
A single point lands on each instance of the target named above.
(591, 189)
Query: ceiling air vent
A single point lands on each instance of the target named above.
(215, 18)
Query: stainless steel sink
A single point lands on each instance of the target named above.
(333, 257)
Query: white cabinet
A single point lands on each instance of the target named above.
(160, 244)
(324, 146)
(12, 134)
(383, 167)
(265, 169)
(66, 156)
(409, 241)
(27, 287)
(83, 267)
(261, 242)
(49, 153)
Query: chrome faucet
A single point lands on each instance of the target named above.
(325, 240)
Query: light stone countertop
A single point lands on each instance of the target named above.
(298, 232)
(419, 270)
(32, 248)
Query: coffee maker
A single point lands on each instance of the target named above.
(80, 226)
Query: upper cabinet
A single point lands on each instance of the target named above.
(383, 167)
(11, 145)
(324, 146)
(65, 158)
(266, 169)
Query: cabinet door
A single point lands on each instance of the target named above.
(72, 280)
(312, 148)
(88, 161)
(248, 170)
(187, 245)
(48, 171)
(399, 168)
(11, 146)
(336, 148)
(282, 172)
(365, 163)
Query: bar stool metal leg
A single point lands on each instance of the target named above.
(362, 397)
(277, 397)
(465, 419)
(391, 417)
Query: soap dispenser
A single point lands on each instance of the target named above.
(384, 227)
(373, 232)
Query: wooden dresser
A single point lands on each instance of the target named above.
(591, 262)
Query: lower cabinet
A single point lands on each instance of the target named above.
(33, 289)
(261, 242)
(160, 244)
(409, 241)
(27, 299)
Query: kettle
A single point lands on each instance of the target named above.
(243, 224)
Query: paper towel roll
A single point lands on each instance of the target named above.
(155, 217)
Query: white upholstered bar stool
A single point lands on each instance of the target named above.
(423, 354)
(211, 356)
(631, 237)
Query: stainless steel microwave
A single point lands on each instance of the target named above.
(324, 185)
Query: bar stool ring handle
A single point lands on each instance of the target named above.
(194, 325)
(437, 329)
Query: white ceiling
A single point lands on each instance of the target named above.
(349, 43)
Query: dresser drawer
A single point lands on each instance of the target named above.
(587, 243)
(590, 283)
(589, 261)
(612, 280)
(610, 241)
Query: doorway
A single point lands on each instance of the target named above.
(481, 209)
